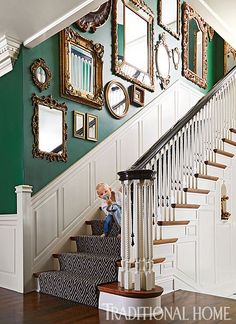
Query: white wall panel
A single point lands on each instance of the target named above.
(7, 256)
(129, 147)
(186, 258)
(76, 195)
(46, 223)
(223, 252)
(105, 165)
(150, 129)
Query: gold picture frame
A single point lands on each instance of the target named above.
(79, 125)
(91, 127)
(81, 67)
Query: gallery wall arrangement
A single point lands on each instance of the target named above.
(104, 73)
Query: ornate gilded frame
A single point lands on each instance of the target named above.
(165, 27)
(52, 104)
(37, 64)
(127, 102)
(228, 49)
(189, 13)
(94, 139)
(164, 80)
(140, 5)
(175, 62)
(68, 38)
(95, 19)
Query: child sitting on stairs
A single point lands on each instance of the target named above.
(111, 205)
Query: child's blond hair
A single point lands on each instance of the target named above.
(102, 184)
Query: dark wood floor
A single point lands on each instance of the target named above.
(44, 309)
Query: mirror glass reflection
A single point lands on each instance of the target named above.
(163, 60)
(169, 14)
(50, 129)
(79, 124)
(117, 99)
(40, 74)
(133, 38)
(195, 48)
(92, 127)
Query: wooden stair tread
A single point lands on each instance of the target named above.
(115, 289)
(233, 130)
(228, 141)
(155, 261)
(193, 206)
(198, 191)
(215, 164)
(225, 153)
(173, 223)
(165, 241)
(206, 177)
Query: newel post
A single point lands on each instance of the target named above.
(24, 214)
(137, 247)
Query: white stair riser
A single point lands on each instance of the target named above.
(230, 148)
(173, 231)
(194, 198)
(223, 159)
(185, 214)
(206, 184)
(216, 172)
(168, 284)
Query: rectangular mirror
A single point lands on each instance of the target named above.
(92, 127)
(49, 129)
(79, 125)
(81, 69)
(229, 57)
(169, 16)
(133, 46)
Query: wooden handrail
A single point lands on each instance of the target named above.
(152, 152)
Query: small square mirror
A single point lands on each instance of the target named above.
(79, 125)
(92, 127)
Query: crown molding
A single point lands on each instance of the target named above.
(9, 50)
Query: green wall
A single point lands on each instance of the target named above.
(20, 166)
(11, 136)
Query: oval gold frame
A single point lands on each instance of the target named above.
(41, 63)
(127, 102)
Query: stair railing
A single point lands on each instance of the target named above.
(179, 158)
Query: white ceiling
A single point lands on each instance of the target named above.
(31, 21)
(220, 14)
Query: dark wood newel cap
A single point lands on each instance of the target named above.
(137, 175)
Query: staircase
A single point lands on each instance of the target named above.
(164, 192)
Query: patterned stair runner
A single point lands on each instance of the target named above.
(80, 273)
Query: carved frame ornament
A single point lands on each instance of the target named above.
(117, 69)
(95, 99)
(95, 19)
(228, 49)
(52, 104)
(48, 75)
(189, 13)
(165, 27)
(164, 80)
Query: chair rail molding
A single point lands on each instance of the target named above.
(9, 51)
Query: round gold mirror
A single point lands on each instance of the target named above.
(117, 99)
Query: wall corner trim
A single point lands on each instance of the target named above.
(9, 51)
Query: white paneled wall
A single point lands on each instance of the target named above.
(60, 209)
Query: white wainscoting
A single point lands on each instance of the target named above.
(11, 253)
(60, 209)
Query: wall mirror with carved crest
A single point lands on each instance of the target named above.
(169, 16)
(133, 42)
(41, 74)
(81, 69)
(163, 55)
(49, 129)
(194, 43)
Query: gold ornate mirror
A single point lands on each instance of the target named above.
(41, 74)
(117, 99)
(49, 129)
(169, 16)
(194, 44)
(133, 42)
(163, 55)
